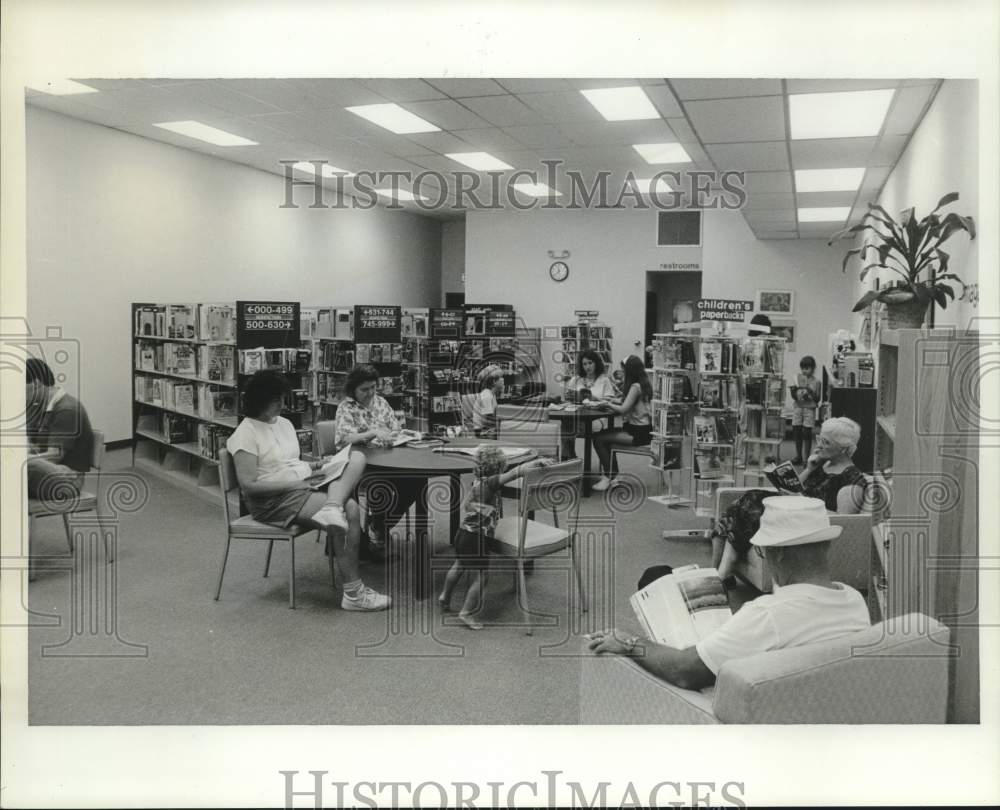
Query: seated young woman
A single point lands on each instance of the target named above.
(366, 418)
(637, 427)
(591, 382)
(272, 475)
(484, 410)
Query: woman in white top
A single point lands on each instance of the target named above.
(271, 475)
(637, 427)
(590, 382)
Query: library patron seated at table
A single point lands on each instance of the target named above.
(365, 418)
(591, 382)
(637, 420)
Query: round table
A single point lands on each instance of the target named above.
(584, 415)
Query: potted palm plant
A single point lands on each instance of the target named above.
(912, 250)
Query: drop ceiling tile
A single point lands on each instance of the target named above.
(664, 100)
(875, 177)
(504, 111)
(252, 128)
(337, 92)
(465, 88)
(392, 144)
(423, 142)
(489, 139)
(446, 114)
(561, 108)
(682, 129)
(768, 182)
(111, 84)
(318, 125)
(770, 202)
(69, 105)
(284, 94)
(165, 82)
(438, 163)
(619, 133)
(605, 158)
(725, 88)
(907, 107)
(888, 149)
(539, 137)
(769, 156)
(598, 83)
(820, 230)
(838, 85)
(825, 199)
(400, 90)
(832, 153)
(760, 118)
(527, 85)
(698, 155)
(217, 95)
(770, 220)
(915, 82)
(767, 235)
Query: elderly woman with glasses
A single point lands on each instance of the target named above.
(830, 474)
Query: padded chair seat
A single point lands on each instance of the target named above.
(246, 526)
(641, 450)
(540, 538)
(86, 501)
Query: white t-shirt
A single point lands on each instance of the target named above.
(486, 405)
(791, 616)
(601, 388)
(275, 446)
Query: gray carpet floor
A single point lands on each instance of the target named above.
(164, 652)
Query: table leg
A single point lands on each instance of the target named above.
(421, 549)
(455, 509)
(588, 435)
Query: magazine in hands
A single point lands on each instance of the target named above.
(406, 436)
(680, 609)
(331, 470)
(783, 477)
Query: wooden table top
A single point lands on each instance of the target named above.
(410, 459)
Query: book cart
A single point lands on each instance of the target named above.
(185, 402)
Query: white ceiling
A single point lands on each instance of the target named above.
(723, 124)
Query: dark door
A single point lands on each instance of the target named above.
(454, 300)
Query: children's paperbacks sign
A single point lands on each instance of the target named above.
(724, 309)
(267, 324)
(377, 324)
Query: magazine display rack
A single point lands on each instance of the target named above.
(185, 402)
(762, 427)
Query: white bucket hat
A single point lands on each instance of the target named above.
(794, 520)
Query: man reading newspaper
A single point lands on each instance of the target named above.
(806, 607)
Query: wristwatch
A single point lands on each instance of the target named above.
(630, 644)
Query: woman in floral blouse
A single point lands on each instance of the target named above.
(365, 418)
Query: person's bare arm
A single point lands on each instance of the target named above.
(246, 474)
(683, 668)
(628, 403)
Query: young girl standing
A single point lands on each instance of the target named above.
(807, 394)
(483, 506)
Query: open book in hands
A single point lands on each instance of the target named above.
(783, 477)
(331, 470)
(682, 608)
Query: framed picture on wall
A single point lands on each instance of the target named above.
(786, 328)
(776, 302)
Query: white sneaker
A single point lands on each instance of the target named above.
(368, 600)
(331, 515)
(601, 485)
(615, 482)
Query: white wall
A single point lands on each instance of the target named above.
(507, 261)
(452, 256)
(114, 218)
(942, 156)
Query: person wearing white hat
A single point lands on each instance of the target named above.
(806, 607)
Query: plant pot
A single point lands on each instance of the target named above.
(906, 314)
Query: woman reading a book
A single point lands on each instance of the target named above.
(830, 474)
(273, 479)
(637, 427)
(365, 418)
(590, 382)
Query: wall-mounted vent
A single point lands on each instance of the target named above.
(678, 228)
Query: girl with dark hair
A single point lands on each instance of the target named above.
(590, 382)
(365, 418)
(271, 475)
(484, 410)
(637, 427)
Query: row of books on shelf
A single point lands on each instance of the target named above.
(764, 391)
(446, 403)
(187, 321)
(327, 322)
(330, 389)
(718, 393)
(378, 353)
(586, 331)
(764, 425)
(414, 323)
(745, 356)
(197, 399)
(294, 361)
(714, 429)
(212, 362)
(335, 356)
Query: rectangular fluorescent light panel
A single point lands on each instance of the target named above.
(643, 186)
(828, 179)
(536, 190)
(662, 152)
(401, 195)
(824, 214)
(622, 103)
(62, 87)
(306, 167)
(203, 132)
(394, 118)
(480, 161)
(856, 114)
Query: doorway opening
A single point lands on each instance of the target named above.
(671, 299)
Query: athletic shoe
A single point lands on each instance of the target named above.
(367, 600)
(331, 515)
(602, 485)
(616, 482)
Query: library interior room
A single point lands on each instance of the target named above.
(345, 395)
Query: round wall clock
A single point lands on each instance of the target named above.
(559, 271)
